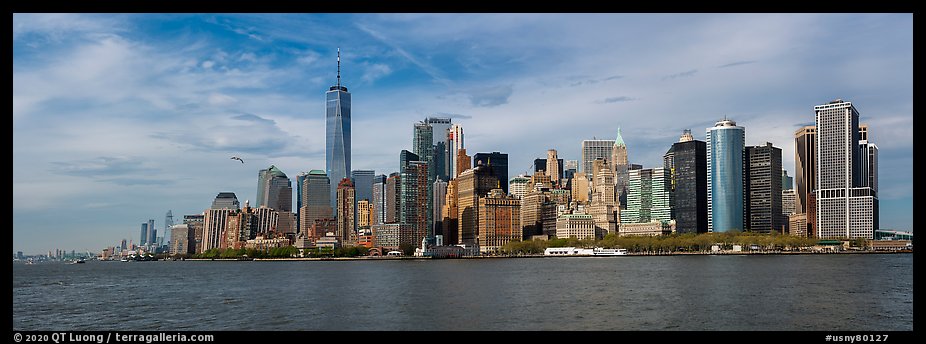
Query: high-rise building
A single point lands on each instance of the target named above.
(498, 166)
(725, 193)
(182, 239)
(805, 174)
(763, 188)
(540, 165)
(472, 184)
(196, 225)
(364, 208)
(363, 183)
(604, 187)
(152, 233)
(532, 213)
(648, 196)
(499, 221)
(454, 146)
(423, 146)
(216, 218)
(379, 199)
(449, 221)
(595, 149)
(440, 132)
(519, 186)
(337, 133)
(788, 206)
(439, 195)
(412, 195)
(580, 226)
(554, 167)
(316, 204)
(580, 188)
(846, 203)
(620, 165)
(144, 234)
(300, 180)
(570, 167)
(391, 200)
(787, 182)
(463, 161)
(345, 213)
(686, 163)
(274, 190)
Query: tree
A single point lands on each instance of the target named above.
(407, 249)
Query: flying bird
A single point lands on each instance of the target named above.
(237, 158)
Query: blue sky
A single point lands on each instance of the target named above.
(119, 118)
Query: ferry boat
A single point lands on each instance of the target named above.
(573, 251)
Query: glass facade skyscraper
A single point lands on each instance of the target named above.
(726, 143)
(337, 133)
(686, 163)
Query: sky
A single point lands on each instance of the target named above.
(118, 118)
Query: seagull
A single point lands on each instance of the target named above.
(237, 158)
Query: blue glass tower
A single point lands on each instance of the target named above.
(725, 197)
(337, 134)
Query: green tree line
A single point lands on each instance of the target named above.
(675, 243)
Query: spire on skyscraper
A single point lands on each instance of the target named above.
(619, 140)
(339, 67)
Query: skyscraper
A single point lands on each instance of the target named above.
(379, 199)
(316, 204)
(686, 163)
(763, 188)
(413, 196)
(499, 221)
(497, 164)
(274, 190)
(725, 193)
(463, 161)
(215, 219)
(519, 186)
(345, 213)
(847, 206)
(300, 180)
(472, 184)
(337, 133)
(423, 146)
(805, 177)
(144, 234)
(391, 200)
(594, 149)
(454, 145)
(648, 196)
(620, 164)
(152, 233)
(787, 182)
(439, 195)
(440, 132)
(363, 187)
(554, 167)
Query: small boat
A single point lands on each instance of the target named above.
(79, 261)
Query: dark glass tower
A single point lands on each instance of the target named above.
(497, 164)
(337, 133)
(686, 162)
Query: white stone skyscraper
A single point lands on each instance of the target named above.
(846, 193)
(620, 164)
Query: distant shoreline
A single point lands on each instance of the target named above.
(380, 258)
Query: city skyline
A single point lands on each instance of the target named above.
(132, 116)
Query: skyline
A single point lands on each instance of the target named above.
(120, 118)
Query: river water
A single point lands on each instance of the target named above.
(774, 292)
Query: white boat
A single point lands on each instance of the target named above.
(573, 251)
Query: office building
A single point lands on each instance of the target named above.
(315, 199)
(620, 165)
(725, 192)
(472, 184)
(595, 149)
(805, 173)
(337, 133)
(787, 182)
(449, 221)
(454, 146)
(519, 186)
(648, 196)
(143, 239)
(379, 199)
(392, 200)
(345, 213)
(215, 219)
(182, 240)
(580, 226)
(847, 205)
(439, 195)
(499, 221)
(686, 163)
(763, 188)
(580, 188)
(497, 164)
(364, 209)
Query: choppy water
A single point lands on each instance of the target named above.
(806, 292)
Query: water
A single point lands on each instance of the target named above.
(805, 292)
